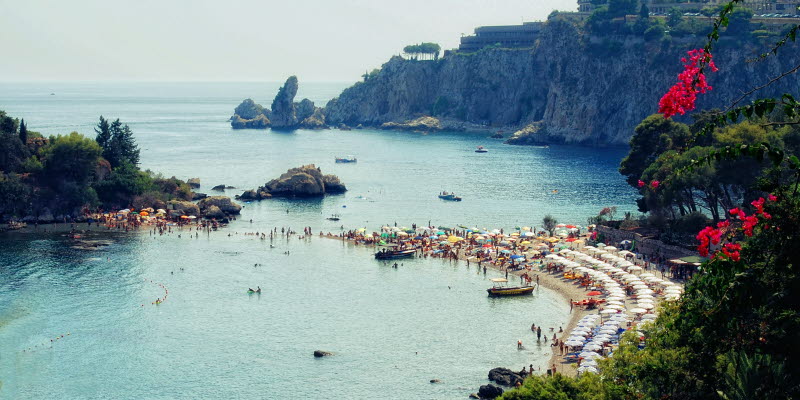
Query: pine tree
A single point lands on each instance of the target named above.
(121, 147)
(644, 12)
(103, 133)
(23, 132)
(129, 150)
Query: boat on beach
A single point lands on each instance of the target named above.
(348, 159)
(392, 254)
(481, 149)
(449, 196)
(500, 288)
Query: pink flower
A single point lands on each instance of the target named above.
(736, 211)
(654, 184)
(641, 183)
(771, 197)
(681, 97)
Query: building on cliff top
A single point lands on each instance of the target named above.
(508, 36)
(661, 6)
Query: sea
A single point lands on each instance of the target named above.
(81, 324)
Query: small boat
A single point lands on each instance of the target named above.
(334, 217)
(348, 159)
(449, 196)
(481, 149)
(500, 288)
(392, 254)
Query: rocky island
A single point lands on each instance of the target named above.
(284, 113)
(305, 181)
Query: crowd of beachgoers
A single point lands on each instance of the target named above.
(610, 290)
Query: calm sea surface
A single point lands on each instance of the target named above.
(392, 330)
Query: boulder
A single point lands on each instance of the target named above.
(489, 391)
(224, 203)
(284, 115)
(194, 182)
(181, 207)
(320, 353)
(474, 396)
(504, 376)
(198, 196)
(213, 212)
(419, 124)
(219, 188)
(497, 136)
(360, 126)
(343, 127)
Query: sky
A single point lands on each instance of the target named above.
(234, 40)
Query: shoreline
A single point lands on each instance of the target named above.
(568, 291)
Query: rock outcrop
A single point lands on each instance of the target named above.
(179, 207)
(285, 113)
(194, 183)
(504, 376)
(213, 212)
(225, 204)
(419, 124)
(198, 196)
(530, 135)
(580, 88)
(218, 188)
(489, 391)
(305, 181)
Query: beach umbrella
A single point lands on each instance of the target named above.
(608, 311)
(573, 343)
(592, 347)
(588, 355)
(638, 310)
(646, 306)
(516, 257)
(592, 362)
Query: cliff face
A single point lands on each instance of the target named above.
(576, 89)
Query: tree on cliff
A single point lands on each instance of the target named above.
(23, 132)
(425, 49)
(652, 137)
(621, 8)
(116, 140)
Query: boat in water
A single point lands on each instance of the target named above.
(481, 149)
(392, 254)
(334, 217)
(348, 159)
(500, 288)
(449, 196)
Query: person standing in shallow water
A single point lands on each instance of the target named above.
(539, 333)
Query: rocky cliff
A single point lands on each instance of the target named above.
(573, 88)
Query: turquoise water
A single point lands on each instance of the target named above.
(392, 329)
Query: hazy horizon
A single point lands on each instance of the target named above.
(249, 41)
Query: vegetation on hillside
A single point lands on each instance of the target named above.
(732, 335)
(425, 50)
(67, 175)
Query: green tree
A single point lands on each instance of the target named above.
(103, 132)
(674, 17)
(621, 8)
(23, 132)
(70, 158)
(549, 223)
(644, 11)
(120, 145)
(653, 136)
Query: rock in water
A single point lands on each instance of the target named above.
(248, 109)
(213, 212)
(314, 121)
(219, 188)
(199, 196)
(489, 391)
(320, 353)
(436, 381)
(284, 115)
(504, 376)
(225, 204)
(194, 183)
(259, 122)
(305, 181)
(178, 208)
(419, 124)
